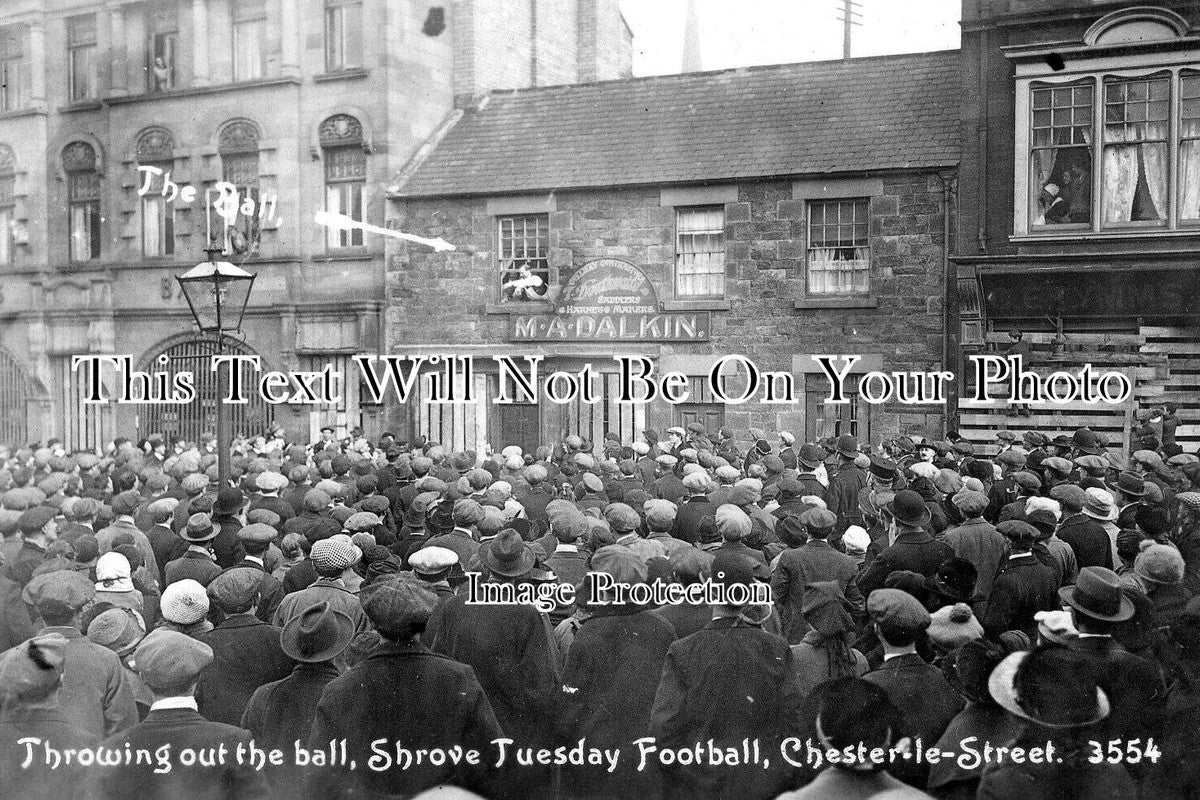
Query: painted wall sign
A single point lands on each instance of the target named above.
(610, 300)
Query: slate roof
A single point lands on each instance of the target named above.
(817, 117)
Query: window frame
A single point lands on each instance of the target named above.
(75, 48)
(349, 49)
(8, 216)
(809, 205)
(543, 268)
(246, 18)
(348, 189)
(12, 68)
(1098, 71)
(679, 253)
(165, 214)
(89, 206)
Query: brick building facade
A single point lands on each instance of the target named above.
(304, 105)
(779, 212)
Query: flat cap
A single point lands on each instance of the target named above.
(362, 521)
(432, 560)
(696, 481)
(33, 668)
(1070, 495)
(32, 520)
(399, 604)
(235, 587)
(592, 482)
(1019, 531)
(316, 500)
(117, 629)
(270, 481)
(660, 513)
(126, 503)
(621, 517)
(68, 587)
(667, 460)
(1057, 464)
(257, 532)
(467, 512)
(818, 518)
(1011, 458)
(732, 522)
(622, 563)
(970, 502)
(1027, 481)
(169, 658)
(898, 610)
(335, 553)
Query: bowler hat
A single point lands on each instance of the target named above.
(318, 633)
(1097, 593)
(908, 508)
(229, 501)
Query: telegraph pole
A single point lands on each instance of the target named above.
(849, 12)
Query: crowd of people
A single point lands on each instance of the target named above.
(925, 596)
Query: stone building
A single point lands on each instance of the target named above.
(773, 212)
(302, 105)
(1079, 202)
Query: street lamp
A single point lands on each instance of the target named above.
(217, 293)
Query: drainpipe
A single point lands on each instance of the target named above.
(951, 351)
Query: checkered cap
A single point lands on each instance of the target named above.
(184, 602)
(336, 552)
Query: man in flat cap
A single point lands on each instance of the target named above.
(977, 541)
(1023, 587)
(726, 446)
(754, 697)
(1085, 535)
(165, 542)
(170, 663)
(432, 566)
(813, 562)
(255, 540)
(30, 680)
(124, 506)
(626, 524)
(333, 559)
(38, 531)
(96, 694)
(269, 485)
(924, 697)
(695, 507)
(462, 539)
(246, 649)
(666, 484)
(400, 693)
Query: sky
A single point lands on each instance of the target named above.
(737, 33)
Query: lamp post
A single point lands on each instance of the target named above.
(217, 293)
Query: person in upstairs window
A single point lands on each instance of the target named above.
(521, 284)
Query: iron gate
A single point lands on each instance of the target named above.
(14, 399)
(189, 421)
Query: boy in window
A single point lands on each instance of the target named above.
(524, 285)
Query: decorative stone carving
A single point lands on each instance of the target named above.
(340, 129)
(155, 145)
(240, 136)
(79, 157)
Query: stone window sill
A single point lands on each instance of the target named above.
(534, 307)
(836, 302)
(84, 105)
(27, 111)
(194, 91)
(710, 304)
(351, 73)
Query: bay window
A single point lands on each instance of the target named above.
(1113, 151)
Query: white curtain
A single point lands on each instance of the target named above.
(822, 269)
(151, 229)
(1154, 161)
(1043, 167)
(6, 235)
(1120, 174)
(1189, 171)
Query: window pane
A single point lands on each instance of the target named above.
(524, 249)
(839, 256)
(6, 225)
(85, 231)
(248, 50)
(1135, 166)
(700, 252)
(82, 76)
(1061, 186)
(161, 72)
(152, 244)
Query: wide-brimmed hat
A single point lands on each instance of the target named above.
(812, 456)
(1097, 593)
(199, 528)
(1129, 483)
(1050, 686)
(908, 508)
(318, 633)
(1100, 505)
(509, 555)
(847, 445)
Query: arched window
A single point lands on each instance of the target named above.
(238, 147)
(83, 200)
(341, 138)
(8, 203)
(156, 149)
